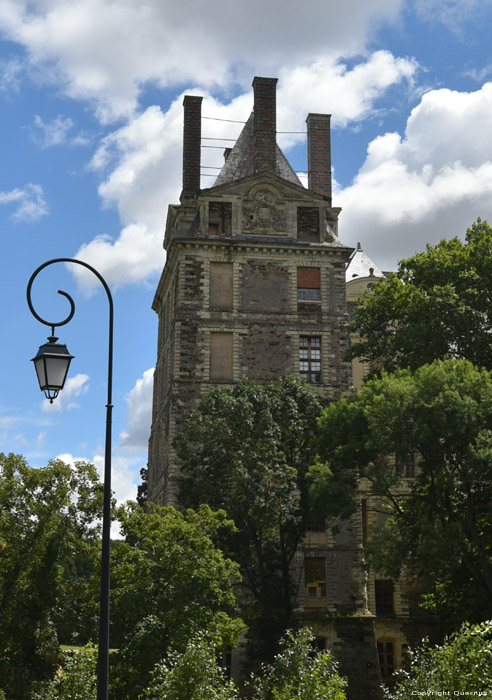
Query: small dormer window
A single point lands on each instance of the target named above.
(219, 218)
(308, 224)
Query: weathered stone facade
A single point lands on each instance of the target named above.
(254, 287)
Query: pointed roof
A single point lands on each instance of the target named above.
(361, 265)
(241, 160)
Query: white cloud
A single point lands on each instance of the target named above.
(10, 74)
(74, 387)
(104, 52)
(451, 13)
(146, 154)
(30, 203)
(327, 86)
(124, 480)
(53, 133)
(429, 184)
(139, 414)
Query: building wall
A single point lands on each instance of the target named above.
(254, 268)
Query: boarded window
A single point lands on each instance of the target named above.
(308, 284)
(220, 218)
(221, 356)
(310, 359)
(220, 285)
(384, 597)
(315, 578)
(308, 224)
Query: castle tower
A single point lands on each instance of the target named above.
(254, 281)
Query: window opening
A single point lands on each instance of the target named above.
(384, 597)
(310, 359)
(386, 657)
(308, 284)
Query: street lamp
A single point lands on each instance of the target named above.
(51, 363)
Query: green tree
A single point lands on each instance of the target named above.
(441, 415)
(46, 518)
(192, 675)
(297, 671)
(169, 581)
(437, 304)
(247, 450)
(461, 666)
(75, 678)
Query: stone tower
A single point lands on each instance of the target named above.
(254, 281)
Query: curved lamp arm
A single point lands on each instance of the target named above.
(103, 651)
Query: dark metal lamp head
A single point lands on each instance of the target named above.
(52, 363)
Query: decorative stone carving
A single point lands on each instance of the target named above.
(264, 212)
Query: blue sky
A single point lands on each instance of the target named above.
(91, 113)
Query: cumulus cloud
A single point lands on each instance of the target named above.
(138, 414)
(123, 478)
(429, 184)
(30, 203)
(143, 158)
(104, 52)
(74, 387)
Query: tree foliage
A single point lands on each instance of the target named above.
(247, 450)
(192, 675)
(169, 581)
(442, 525)
(297, 671)
(46, 520)
(461, 666)
(75, 678)
(439, 303)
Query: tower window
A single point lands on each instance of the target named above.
(310, 359)
(315, 577)
(219, 218)
(409, 466)
(221, 285)
(384, 597)
(308, 284)
(221, 366)
(386, 655)
(308, 224)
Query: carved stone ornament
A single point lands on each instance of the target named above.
(264, 212)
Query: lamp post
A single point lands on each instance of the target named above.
(52, 362)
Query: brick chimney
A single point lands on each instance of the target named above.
(319, 153)
(192, 134)
(265, 124)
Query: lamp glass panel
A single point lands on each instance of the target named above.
(40, 371)
(56, 371)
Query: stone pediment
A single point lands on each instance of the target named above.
(285, 189)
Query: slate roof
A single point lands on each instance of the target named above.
(241, 160)
(360, 265)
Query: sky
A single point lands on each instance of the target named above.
(91, 96)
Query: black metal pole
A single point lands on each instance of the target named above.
(103, 648)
